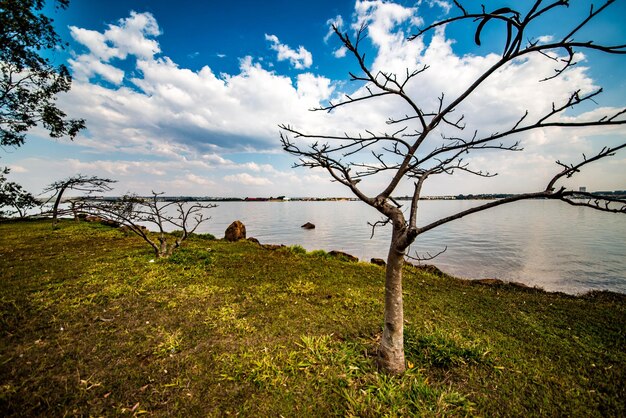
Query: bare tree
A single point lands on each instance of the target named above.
(79, 182)
(419, 147)
(135, 213)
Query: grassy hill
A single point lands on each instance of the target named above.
(91, 325)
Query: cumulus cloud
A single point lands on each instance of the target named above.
(129, 37)
(198, 180)
(388, 26)
(248, 180)
(313, 89)
(86, 66)
(180, 128)
(173, 110)
(96, 42)
(299, 59)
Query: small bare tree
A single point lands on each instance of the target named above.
(79, 182)
(413, 152)
(136, 213)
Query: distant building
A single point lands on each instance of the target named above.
(582, 189)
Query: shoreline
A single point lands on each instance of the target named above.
(433, 269)
(486, 281)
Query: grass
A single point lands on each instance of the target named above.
(92, 325)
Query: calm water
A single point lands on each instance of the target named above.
(540, 243)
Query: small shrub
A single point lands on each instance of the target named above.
(319, 254)
(206, 236)
(297, 249)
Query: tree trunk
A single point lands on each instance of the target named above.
(163, 248)
(391, 349)
(55, 209)
(74, 211)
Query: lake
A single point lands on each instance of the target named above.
(542, 243)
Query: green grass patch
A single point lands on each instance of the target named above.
(191, 257)
(319, 254)
(92, 325)
(440, 350)
(297, 249)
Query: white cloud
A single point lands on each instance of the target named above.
(248, 180)
(313, 89)
(86, 66)
(388, 26)
(201, 181)
(299, 59)
(18, 168)
(195, 122)
(337, 22)
(96, 42)
(129, 37)
(545, 39)
(187, 109)
(252, 166)
(340, 52)
(444, 5)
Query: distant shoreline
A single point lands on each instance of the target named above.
(619, 194)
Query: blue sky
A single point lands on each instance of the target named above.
(185, 97)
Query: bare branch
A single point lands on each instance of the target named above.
(598, 202)
(592, 14)
(377, 224)
(427, 257)
(79, 182)
(457, 4)
(594, 201)
(569, 171)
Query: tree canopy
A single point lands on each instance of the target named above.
(13, 198)
(29, 82)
